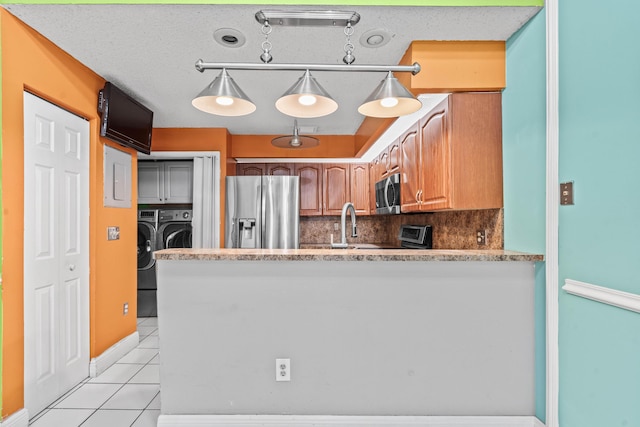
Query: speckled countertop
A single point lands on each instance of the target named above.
(362, 253)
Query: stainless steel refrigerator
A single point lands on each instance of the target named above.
(262, 212)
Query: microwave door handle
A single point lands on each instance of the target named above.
(386, 193)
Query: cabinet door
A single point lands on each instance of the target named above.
(150, 182)
(411, 182)
(436, 159)
(178, 182)
(394, 157)
(246, 169)
(384, 164)
(336, 187)
(279, 169)
(373, 178)
(310, 188)
(360, 188)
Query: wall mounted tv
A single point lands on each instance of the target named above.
(124, 120)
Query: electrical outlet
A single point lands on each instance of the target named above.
(283, 369)
(481, 237)
(336, 226)
(113, 233)
(125, 309)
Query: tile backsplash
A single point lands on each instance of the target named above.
(451, 229)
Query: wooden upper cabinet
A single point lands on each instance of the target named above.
(436, 161)
(455, 160)
(373, 178)
(336, 187)
(360, 188)
(310, 188)
(411, 177)
(250, 169)
(279, 169)
(384, 164)
(395, 158)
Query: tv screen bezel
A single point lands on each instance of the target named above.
(106, 127)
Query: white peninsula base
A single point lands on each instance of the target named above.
(369, 343)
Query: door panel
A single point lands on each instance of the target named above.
(56, 257)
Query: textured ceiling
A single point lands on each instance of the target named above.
(150, 51)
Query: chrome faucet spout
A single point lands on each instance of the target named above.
(343, 225)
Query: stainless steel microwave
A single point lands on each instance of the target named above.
(388, 195)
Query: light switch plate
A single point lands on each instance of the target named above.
(113, 233)
(566, 193)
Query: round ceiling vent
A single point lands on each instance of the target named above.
(229, 37)
(375, 38)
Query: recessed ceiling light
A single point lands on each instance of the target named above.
(376, 38)
(229, 37)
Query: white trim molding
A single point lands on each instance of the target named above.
(343, 421)
(620, 299)
(17, 419)
(99, 364)
(552, 216)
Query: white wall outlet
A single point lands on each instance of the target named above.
(336, 226)
(283, 369)
(125, 309)
(481, 237)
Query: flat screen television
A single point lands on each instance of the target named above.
(124, 120)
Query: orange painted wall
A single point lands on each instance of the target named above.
(197, 139)
(31, 62)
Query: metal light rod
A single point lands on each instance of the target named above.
(201, 66)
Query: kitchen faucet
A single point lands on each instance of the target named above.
(343, 223)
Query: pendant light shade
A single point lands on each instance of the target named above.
(306, 99)
(223, 97)
(295, 140)
(390, 99)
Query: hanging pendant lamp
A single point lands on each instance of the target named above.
(390, 99)
(295, 140)
(224, 98)
(306, 98)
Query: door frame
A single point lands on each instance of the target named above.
(190, 155)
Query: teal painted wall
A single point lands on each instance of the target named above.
(600, 234)
(524, 157)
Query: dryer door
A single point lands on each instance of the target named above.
(176, 235)
(146, 237)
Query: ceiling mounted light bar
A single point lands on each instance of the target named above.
(201, 66)
(333, 18)
(306, 98)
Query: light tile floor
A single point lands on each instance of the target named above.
(125, 395)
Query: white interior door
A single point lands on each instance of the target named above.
(56, 251)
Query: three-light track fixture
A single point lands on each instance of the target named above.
(306, 98)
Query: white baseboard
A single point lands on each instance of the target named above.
(342, 421)
(17, 419)
(114, 353)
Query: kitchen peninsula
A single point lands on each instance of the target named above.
(366, 332)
